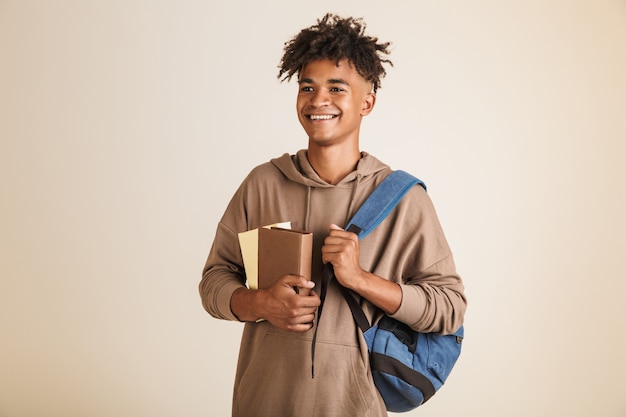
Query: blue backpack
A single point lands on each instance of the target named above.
(408, 367)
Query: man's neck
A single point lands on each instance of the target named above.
(333, 163)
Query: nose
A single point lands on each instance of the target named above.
(320, 98)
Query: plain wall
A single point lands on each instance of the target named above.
(126, 126)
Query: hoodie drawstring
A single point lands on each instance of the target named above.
(308, 208)
(354, 189)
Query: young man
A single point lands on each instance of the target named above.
(403, 268)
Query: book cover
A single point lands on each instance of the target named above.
(249, 244)
(283, 251)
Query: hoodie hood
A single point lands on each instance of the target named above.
(297, 168)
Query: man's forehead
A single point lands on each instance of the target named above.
(325, 71)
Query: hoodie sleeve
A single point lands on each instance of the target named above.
(433, 297)
(222, 274)
(434, 303)
(255, 203)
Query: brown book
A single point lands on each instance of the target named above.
(281, 252)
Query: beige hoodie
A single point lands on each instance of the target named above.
(409, 247)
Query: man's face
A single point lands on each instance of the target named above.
(332, 99)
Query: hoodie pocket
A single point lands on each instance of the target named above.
(277, 379)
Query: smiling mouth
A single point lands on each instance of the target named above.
(321, 116)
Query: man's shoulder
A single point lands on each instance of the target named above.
(266, 171)
(262, 173)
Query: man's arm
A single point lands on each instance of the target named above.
(436, 304)
(279, 304)
(341, 249)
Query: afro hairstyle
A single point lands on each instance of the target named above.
(336, 38)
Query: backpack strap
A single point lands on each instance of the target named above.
(372, 212)
(357, 312)
(381, 202)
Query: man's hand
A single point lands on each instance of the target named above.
(281, 304)
(341, 249)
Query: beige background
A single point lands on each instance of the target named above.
(127, 125)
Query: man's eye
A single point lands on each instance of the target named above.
(306, 89)
(336, 89)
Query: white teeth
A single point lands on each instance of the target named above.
(321, 116)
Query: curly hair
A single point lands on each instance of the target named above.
(336, 38)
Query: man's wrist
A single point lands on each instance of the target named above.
(244, 305)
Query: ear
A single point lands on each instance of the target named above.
(368, 104)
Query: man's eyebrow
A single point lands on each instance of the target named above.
(330, 81)
(337, 81)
